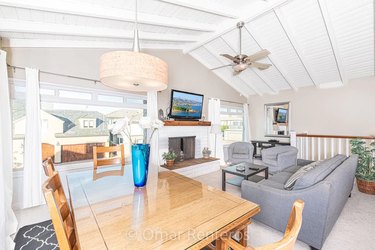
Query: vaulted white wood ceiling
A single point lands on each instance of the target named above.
(312, 42)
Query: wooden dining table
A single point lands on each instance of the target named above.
(170, 212)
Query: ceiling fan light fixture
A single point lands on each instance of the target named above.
(240, 62)
(240, 67)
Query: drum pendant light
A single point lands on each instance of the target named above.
(133, 70)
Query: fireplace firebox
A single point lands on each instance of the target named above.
(186, 144)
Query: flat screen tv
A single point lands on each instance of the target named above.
(185, 105)
(281, 115)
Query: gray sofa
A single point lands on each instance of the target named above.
(279, 157)
(325, 190)
(240, 152)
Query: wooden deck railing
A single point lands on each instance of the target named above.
(320, 147)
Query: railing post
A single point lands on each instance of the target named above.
(325, 148)
(307, 148)
(347, 141)
(332, 147)
(313, 148)
(319, 149)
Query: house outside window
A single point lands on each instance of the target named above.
(71, 127)
(88, 123)
(231, 116)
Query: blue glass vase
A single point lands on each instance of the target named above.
(140, 159)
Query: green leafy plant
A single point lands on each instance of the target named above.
(366, 159)
(223, 128)
(169, 156)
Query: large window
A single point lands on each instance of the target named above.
(73, 120)
(231, 116)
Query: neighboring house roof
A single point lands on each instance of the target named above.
(72, 126)
(119, 114)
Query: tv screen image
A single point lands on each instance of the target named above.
(185, 105)
(281, 116)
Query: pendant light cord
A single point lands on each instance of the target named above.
(136, 37)
(136, 14)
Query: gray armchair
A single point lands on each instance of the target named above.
(279, 158)
(240, 152)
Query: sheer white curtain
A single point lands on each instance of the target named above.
(215, 140)
(152, 112)
(8, 221)
(32, 173)
(246, 123)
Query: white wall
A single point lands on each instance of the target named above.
(185, 73)
(347, 110)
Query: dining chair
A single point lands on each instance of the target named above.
(286, 243)
(100, 160)
(49, 167)
(61, 215)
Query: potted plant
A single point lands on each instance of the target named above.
(206, 152)
(365, 173)
(169, 158)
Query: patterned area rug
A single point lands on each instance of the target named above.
(39, 236)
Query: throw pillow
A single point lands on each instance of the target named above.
(298, 174)
(319, 173)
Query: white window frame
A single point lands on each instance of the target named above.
(94, 92)
(20, 95)
(233, 109)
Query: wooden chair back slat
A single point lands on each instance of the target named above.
(48, 167)
(109, 161)
(62, 218)
(290, 236)
(116, 160)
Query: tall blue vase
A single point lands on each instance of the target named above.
(140, 159)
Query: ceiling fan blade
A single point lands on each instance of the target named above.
(257, 56)
(260, 66)
(232, 58)
(222, 66)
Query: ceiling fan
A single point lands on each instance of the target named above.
(241, 62)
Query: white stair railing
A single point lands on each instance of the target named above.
(320, 147)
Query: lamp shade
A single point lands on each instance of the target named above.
(133, 71)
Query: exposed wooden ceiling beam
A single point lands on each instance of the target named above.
(332, 39)
(273, 59)
(56, 43)
(202, 7)
(102, 12)
(232, 24)
(74, 30)
(293, 41)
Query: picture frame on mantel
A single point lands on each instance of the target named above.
(277, 119)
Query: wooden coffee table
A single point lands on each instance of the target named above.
(249, 173)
